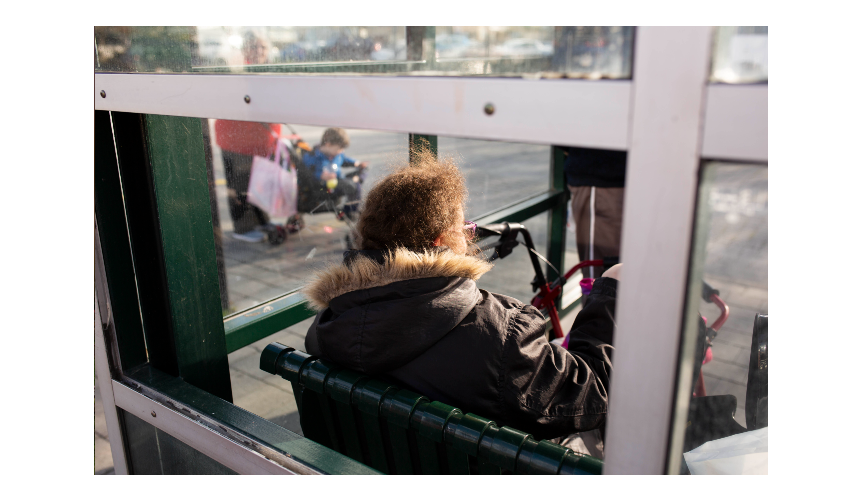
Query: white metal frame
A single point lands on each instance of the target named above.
(216, 446)
(737, 123)
(660, 196)
(594, 113)
(106, 390)
(667, 117)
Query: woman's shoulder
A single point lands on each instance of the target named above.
(510, 313)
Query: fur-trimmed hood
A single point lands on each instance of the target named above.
(368, 269)
(378, 311)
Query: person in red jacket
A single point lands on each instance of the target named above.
(240, 142)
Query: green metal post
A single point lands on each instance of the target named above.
(557, 218)
(421, 47)
(418, 139)
(177, 156)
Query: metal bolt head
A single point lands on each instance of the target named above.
(153, 413)
(489, 109)
(247, 99)
(103, 94)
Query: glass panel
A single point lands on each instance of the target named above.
(152, 451)
(266, 255)
(740, 54)
(730, 256)
(498, 173)
(264, 395)
(549, 51)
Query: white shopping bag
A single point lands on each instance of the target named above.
(743, 453)
(272, 185)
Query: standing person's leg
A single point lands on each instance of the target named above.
(597, 213)
(246, 217)
(582, 214)
(608, 228)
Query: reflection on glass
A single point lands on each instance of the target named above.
(740, 54)
(546, 51)
(593, 51)
(498, 173)
(728, 291)
(146, 49)
(155, 452)
(265, 256)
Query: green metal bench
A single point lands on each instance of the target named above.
(397, 431)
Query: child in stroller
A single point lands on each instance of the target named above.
(322, 182)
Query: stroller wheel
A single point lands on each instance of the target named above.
(294, 224)
(277, 235)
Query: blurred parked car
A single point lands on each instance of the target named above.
(457, 45)
(383, 52)
(520, 47)
(346, 47)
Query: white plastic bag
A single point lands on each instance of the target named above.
(272, 186)
(743, 453)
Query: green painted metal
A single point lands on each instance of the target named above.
(351, 413)
(176, 153)
(145, 238)
(557, 219)
(262, 321)
(418, 140)
(523, 209)
(492, 67)
(346, 67)
(115, 250)
(238, 422)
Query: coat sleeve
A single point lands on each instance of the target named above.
(553, 392)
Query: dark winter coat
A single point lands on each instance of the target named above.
(419, 320)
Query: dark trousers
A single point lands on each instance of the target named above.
(237, 170)
(598, 215)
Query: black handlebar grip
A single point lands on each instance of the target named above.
(610, 261)
(708, 292)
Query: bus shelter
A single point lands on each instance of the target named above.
(184, 306)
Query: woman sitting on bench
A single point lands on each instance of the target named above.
(406, 307)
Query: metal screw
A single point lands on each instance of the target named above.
(153, 413)
(247, 99)
(103, 94)
(489, 109)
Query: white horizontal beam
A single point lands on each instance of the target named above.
(223, 450)
(737, 123)
(562, 112)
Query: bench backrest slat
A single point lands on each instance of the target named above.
(397, 431)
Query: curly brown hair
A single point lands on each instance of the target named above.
(414, 204)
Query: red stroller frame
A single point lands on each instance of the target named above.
(548, 293)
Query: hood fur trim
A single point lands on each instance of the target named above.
(401, 265)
